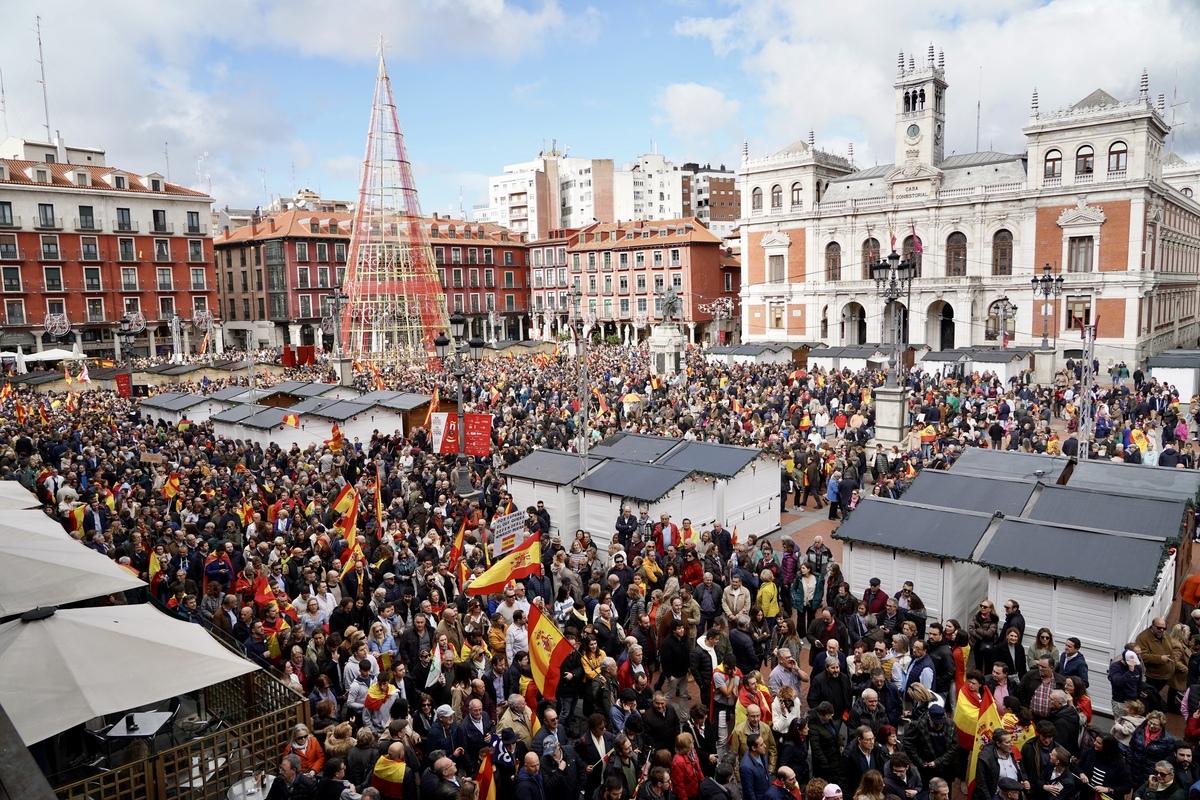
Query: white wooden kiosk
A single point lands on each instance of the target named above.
(550, 476)
(1178, 368)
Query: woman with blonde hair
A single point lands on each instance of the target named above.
(1180, 653)
(871, 786)
(686, 774)
(339, 741)
(785, 708)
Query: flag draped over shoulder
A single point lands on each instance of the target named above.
(966, 715)
(526, 560)
(486, 776)
(988, 723)
(547, 652)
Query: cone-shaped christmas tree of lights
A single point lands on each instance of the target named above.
(395, 306)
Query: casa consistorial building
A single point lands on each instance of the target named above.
(1095, 196)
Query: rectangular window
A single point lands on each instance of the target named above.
(195, 250)
(46, 215)
(322, 251)
(165, 282)
(124, 220)
(14, 310)
(339, 252)
(125, 250)
(439, 254)
(302, 277)
(455, 255)
(133, 305)
(639, 261)
(193, 222)
(509, 261)
(306, 305)
(199, 284)
(159, 218)
(87, 218)
(489, 278)
(8, 247)
(1078, 310)
(6, 215)
(55, 306)
(487, 255)
(245, 282)
(50, 248)
(658, 259)
(623, 261)
(162, 250)
(258, 280)
(245, 308)
(91, 279)
(675, 258)
(257, 256)
(659, 284)
(641, 284)
(53, 277)
(95, 309)
(775, 316)
(575, 261)
(1079, 254)
(262, 308)
(472, 255)
(323, 277)
(90, 248)
(591, 284)
(129, 280)
(624, 306)
(341, 275)
(591, 261)
(166, 307)
(729, 281)
(457, 275)
(228, 281)
(12, 279)
(232, 308)
(641, 305)
(302, 251)
(608, 260)
(775, 269)
(474, 277)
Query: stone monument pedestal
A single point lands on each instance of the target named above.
(667, 344)
(891, 416)
(1044, 363)
(344, 368)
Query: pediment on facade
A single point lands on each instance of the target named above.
(912, 170)
(1082, 214)
(777, 239)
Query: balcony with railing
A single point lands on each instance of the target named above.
(1084, 178)
(199, 286)
(96, 316)
(458, 283)
(48, 224)
(88, 225)
(92, 285)
(10, 223)
(127, 226)
(1115, 175)
(197, 230)
(10, 252)
(50, 254)
(90, 255)
(130, 286)
(16, 317)
(162, 227)
(474, 283)
(128, 256)
(55, 285)
(489, 283)
(164, 256)
(12, 285)
(166, 285)
(1052, 182)
(195, 257)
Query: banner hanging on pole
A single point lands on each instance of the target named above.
(443, 431)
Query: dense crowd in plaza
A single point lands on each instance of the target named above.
(701, 666)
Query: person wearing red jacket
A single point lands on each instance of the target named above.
(666, 534)
(686, 774)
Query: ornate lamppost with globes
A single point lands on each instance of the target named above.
(893, 280)
(474, 350)
(1046, 287)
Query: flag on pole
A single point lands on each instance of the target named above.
(917, 246)
(547, 652)
(349, 529)
(435, 666)
(456, 549)
(171, 487)
(66, 374)
(531, 700)
(204, 343)
(892, 236)
(344, 500)
(988, 724)
(433, 407)
(526, 560)
(291, 420)
(486, 776)
(336, 441)
(600, 400)
(84, 377)
(379, 500)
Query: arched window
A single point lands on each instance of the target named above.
(777, 196)
(756, 199)
(1053, 164)
(1187, 191)
(1002, 252)
(956, 255)
(908, 253)
(1118, 157)
(797, 198)
(870, 257)
(825, 323)
(1085, 160)
(833, 262)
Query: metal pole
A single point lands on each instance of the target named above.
(1045, 318)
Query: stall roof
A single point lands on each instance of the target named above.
(238, 413)
(645, 482)
(1175, 358)
(706, 457)
(1010, 464)
(969, 492)
(721, 349)
(404, 401)
(549, 466)
(160, 400)
(37, 378)
(227, 394)
(340, 411)
(311, 405)
(924, 530)
(1109, 560)
(1088, 508)
(866, 351)
(1162, 483)
(184, 402)
(269, 417)
(637, 447)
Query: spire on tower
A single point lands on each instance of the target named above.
(1033, 106)
(850, 153)
(912, 64)
(1162, 102)
(812, 139)
(395, 304)
(929, 57)
(1144, 91)
(941, 60)
(900, 63)
(745, 150)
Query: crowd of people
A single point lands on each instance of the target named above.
(701, 666)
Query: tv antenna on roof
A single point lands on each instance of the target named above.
(42, 65)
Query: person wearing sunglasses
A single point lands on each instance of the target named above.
(1156, 653)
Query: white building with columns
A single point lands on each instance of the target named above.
(1089, 198)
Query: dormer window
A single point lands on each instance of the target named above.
(82, 179)
(155, 185)
(119, 181)
(3, 172)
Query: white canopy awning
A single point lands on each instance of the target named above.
(42, 570)
(77, 664)
(13, 496)
(54, 354)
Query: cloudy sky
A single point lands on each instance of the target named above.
(271, 88)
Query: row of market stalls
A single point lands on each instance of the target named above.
(700, 481)
(257, 414)
(1093, 549)
(1178, 368)
(105, 378)
(90, 656)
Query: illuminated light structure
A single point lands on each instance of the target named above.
(396, 305)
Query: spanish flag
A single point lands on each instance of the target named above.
(246, 512)
(42, 414)
(377, 695)
(337, 440)
(547, 652)
(531, 700)
(966, 715)
(433, 407)
(6, 392)
(292, 420)
(987, 725)
(345, 499)
(655, 383)
(486, 776)
(171, 487)
(600, 400)
(20, 411)
(204, 344)
(77, 516)
(456, 548)
(526, 560)
(494, 393)
(388, 777)
(349, 526)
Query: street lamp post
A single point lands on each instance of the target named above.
(893, 280)
(473, 349)
(1046, 287)
(125, 335)
(1008, 310)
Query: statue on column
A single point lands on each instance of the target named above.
(672, 306)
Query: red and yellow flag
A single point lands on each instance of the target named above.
(547, 652)
(988, 723)
(171, 487)
(6, 392)
(345, 499)
(204, 343)
(337, 441)
(531, 700)
(42, 414)
(77, 516)
(20, 411)
(433, 407)
(526, 560)
(292, 420)
(486, 776)
(349, 528)
(600, 400)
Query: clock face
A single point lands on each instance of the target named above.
(914, 130)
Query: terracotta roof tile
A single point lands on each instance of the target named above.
(62, 177)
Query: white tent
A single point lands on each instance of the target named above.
(54, 354)
(48, 570)
(34, 520)
(75, 664)
(15, 496)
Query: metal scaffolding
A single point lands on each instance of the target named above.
(395, 304)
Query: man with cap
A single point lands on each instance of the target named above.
(1009, 789)
(875, 598)
(442, 733)
(932, 743)
(561, 769)
(392, 590)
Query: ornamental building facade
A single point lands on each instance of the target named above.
(1095, 197)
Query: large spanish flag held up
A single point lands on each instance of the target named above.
(526, 560)
(345, 499)
(989, 723)
(486, 776)
(966, 714)
(547, 652)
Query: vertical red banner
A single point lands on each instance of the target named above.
(124, 387)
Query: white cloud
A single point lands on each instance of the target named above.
(701, 117)
(830, 67)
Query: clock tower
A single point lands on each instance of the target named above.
(920, 110)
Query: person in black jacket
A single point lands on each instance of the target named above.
(1036, 762)
(703, 662)
(676, 659)
(862, 755)
(987, 771)
(714, 787)
(1066, 721)
(832, 686)
(942, 652)
(823, 744)
(1102, 770)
